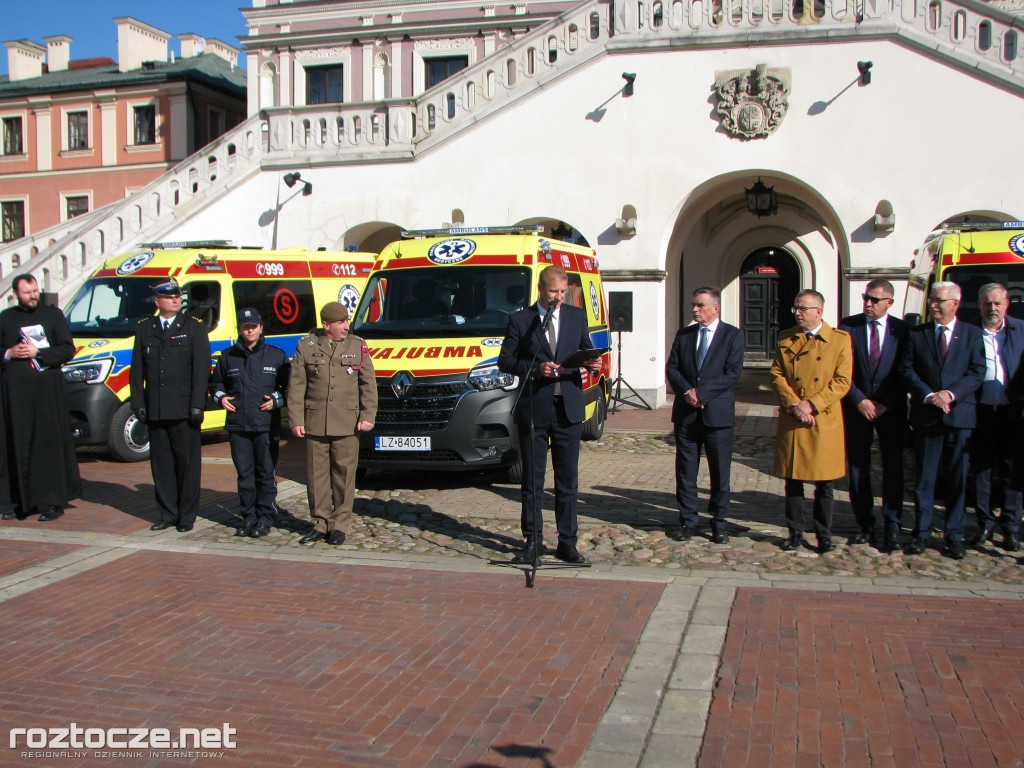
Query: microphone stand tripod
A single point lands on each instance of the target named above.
(533, 553)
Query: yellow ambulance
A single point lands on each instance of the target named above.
(434, 314)
(969, 254)
(217, 279)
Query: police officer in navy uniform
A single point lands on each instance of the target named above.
(250, 382)
(169, 375)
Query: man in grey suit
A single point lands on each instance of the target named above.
(703, 368)
(992, 459)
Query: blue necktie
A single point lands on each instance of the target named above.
(702, 350)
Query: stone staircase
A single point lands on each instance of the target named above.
(976, 37)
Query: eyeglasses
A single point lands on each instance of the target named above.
(939, 301)
(874, 299)
(797, 310)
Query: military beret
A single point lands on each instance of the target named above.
(333, 312)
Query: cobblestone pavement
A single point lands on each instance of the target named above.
(626, 509)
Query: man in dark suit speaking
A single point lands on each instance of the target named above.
(943, 364)
(876, 402)
(555, 399)
(703, 368)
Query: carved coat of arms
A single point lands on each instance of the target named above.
(752, 103)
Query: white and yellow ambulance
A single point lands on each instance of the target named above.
(217, 279)
(970, 254)
(434, 314)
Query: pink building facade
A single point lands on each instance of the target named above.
(78, 135)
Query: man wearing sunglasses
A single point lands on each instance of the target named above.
(876, 402)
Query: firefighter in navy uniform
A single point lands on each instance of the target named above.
(250, 382)
(332, 395)
(169, 375)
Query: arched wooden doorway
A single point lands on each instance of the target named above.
(769, 283)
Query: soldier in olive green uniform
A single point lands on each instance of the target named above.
(332, 395)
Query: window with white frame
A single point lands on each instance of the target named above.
(12, 219)
(76, 205)
(13, 143)
(438, 68)
(78, 130)
(325, 85)
(144, 124)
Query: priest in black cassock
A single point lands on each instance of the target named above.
(42, 466)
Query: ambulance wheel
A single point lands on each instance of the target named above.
(129, 437)
(593, 428)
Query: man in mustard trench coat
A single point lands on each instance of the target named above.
(332, 394)
(812, 371)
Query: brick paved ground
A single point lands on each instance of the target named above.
(329, 657)
(828, 681)
(316, 664)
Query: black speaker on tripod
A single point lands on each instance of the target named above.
(620, 311)
(620, 318)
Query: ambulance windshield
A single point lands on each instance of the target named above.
(971, 278)
(110, 307)
(441, 301)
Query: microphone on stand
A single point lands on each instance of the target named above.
(547, 318)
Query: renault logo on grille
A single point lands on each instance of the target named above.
(401, 384)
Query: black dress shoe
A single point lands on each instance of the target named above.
(793, 542)
(12, 515)
(955, 550)
(245, 530)
(311, 537)
(337, 538)
(161, 526)
(825, 544)
(915, 547)
(260, 531)
(1011, 543)
(978, 537)
(568, 553)
(891, 543)
(685, 533)
(185, 528)
(861, 537)
(719, 537)
(50, 513)
(527, 555)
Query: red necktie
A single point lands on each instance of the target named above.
(874, 349)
